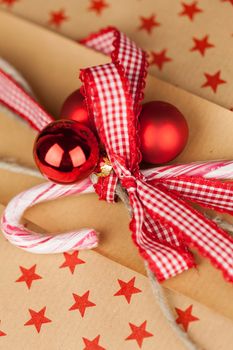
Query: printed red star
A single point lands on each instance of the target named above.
(8, 3)
(98, 6)
(81, 303)
(37, 319)
(139, 333)
(148, 23)
(159, 58)
(92, 344)
(127, 289)
(185, 317)
(190, 10)
(230, 1)
(213, 80)
(2, 334)
(201, 45)
(71, 260)
(57, 18)
(28, 275)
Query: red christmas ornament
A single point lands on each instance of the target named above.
(75, 108)
(163, 132)
(66, 151)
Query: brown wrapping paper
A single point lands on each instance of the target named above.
(109, 318)
(158, 27)
(51, 63)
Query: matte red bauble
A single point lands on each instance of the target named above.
(163, 132)
(75, 108)
(66, 151)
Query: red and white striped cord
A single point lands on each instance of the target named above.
(44, 243)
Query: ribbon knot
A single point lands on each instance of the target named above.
(129, 183)
(128, 180)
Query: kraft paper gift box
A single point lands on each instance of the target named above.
(51, 67)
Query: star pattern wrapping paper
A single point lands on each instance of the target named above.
(82, 300)
(190, 43)
(61, 302)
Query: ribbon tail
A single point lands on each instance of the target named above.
(164, 259)
(158, 244)
(190, 226)
(208, 193)
(106, 187)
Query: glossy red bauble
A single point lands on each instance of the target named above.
(74, 108)
(163, 132)
(66, 151)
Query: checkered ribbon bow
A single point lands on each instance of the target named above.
(163, 224)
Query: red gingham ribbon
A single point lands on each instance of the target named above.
(14, 97)
(163, 224)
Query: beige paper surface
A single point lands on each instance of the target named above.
(109, 318)
(158, 27)
(53, 75)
